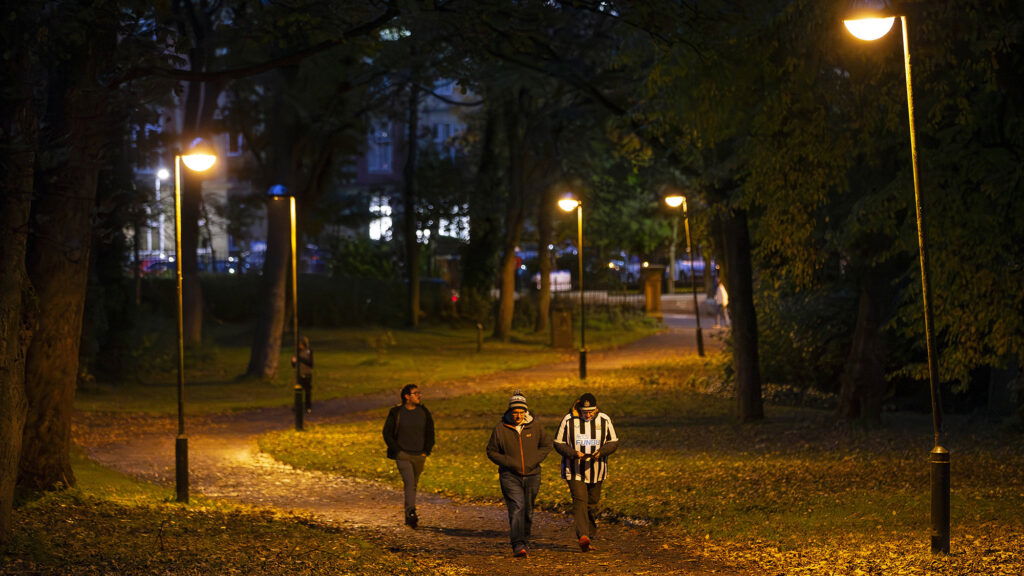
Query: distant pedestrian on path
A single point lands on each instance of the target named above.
(518, 445)
(722, 304)
(585, 439)
(305, 371)
(409, 434)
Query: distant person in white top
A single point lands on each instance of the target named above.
(585, 439)
(722, 305)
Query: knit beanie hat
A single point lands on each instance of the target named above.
(588, 402)
(517, 401)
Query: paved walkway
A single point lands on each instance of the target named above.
(226, 463)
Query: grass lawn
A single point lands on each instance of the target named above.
(792, 494)
(349, 362)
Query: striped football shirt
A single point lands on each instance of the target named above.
(586, 437)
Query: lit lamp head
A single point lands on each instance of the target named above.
(568, 203)
(200, 156)
(675, 201)
(869, 19)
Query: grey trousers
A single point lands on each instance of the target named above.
(585, 501)
(410, 466)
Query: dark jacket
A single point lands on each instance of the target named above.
(518, 451)
(390, 431)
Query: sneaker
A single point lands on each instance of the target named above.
(521, 553)
(585, 543)
(411, 520)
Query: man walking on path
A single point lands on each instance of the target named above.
(585, 439)
(518, 445)
(409, 434)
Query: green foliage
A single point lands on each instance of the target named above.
(362, 258)
(804, 337)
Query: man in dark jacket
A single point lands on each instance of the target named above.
(518, 445)
(409, 434)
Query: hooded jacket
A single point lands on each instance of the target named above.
(518, 449)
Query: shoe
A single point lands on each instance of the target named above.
(585, 543)
(411, 520)
(521, 553)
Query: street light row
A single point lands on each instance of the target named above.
(199, 158)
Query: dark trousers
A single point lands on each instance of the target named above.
(410, 466)
(520, 493)
(585, 499)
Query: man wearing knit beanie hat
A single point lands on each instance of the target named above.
(518, 445)
(585, 439)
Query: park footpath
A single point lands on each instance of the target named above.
(471, 538)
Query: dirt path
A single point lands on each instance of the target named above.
(226, 463)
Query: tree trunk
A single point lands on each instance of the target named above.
(409, 223)
(198, 23)
(863, 380)
(514, 217)
(478, 269)
(58, 260)
(545, 233)
(266, 348)
(738, 280)
(17, 159)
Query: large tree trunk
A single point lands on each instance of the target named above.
(738, 280)
(514, 218)
(266, 348)
(478, 269)
(196, 21)
(58, 260)
(17, 162)
(863, 380)
(282, 158)
(545, 233)
(409, 220)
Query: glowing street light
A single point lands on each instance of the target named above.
(200, 157)
(870, 20)
(568, 203)
(675, 201)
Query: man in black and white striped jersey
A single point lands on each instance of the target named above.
(585, 439)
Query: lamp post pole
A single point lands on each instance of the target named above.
(298, 391)
(693, 280)
(568, 203)
(583, 300)
(181, 441)
(676, 201)
(198, 159)
(939, 456)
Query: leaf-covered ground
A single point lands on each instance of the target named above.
(795, 494)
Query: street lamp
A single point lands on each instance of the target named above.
(870, 20)
(276, 192)
(568, 203)
(199, 158)
(675, 201)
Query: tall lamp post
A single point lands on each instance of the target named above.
(870, 20)
(568, 203)
(199, 158)
(675, 201)
(276, 192)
